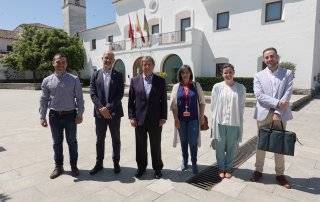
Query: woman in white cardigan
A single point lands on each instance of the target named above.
(227, 106)
(187, 105)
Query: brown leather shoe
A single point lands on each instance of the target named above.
(256, 176)
(281, 179)
(56, 172)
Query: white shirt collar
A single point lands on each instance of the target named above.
(226, 85)
(273, 73)
(107, 71)
(144, 76)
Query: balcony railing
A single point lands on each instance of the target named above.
(118, 46)
(151, 41)
(158, 39)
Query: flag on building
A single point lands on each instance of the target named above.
(146, 25)
(138, 28)
(131, 31)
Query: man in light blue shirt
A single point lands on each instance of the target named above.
(62, 94)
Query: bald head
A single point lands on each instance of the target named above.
(108, 60)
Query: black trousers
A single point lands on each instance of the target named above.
(154, 132)
(101, 130)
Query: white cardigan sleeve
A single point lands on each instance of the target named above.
(173, 105)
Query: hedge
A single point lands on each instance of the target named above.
(208, 82)
(85, 82)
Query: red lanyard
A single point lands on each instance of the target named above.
(186, 90)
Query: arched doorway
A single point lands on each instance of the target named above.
(171, 66)
(137, 69)
(119, 66)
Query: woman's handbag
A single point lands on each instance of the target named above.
(213, 144)
(277, 141)
(205, 125)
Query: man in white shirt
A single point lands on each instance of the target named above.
(273, 90)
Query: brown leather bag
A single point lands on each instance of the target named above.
(205, 125)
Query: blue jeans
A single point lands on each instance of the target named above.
(58, 123)
(189, 132)
(226, 146)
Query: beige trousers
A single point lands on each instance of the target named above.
(260, 155)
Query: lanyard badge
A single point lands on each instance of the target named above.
(186, 90)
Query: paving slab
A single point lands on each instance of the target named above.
(301, 194)
(15, 185)
(250, 193)
(104, 195)
(175, 196)
(143, 195)
(29, 194)
(200, 194)
(229, 187)
(161, 186)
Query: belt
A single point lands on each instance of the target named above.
(63, 112)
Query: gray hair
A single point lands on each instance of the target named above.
(147, 58)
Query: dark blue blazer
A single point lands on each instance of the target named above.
(139, 105)
(116, 90)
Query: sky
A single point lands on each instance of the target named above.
(49, 12)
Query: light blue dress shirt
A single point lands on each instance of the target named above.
(147, 82)
(106, 80)
(61, 93)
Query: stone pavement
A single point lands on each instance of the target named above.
(26, 160)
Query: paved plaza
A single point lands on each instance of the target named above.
(26, 161)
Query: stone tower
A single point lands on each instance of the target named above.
(74, 16)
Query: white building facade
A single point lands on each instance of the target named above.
(208, 33)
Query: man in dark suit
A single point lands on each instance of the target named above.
(147, 108)
(106, 91)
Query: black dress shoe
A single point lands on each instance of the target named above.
(157, 174)
(96, 169)
(116, 168)
(256, 176)
(58, 170)
(74, 171)
(140, 172)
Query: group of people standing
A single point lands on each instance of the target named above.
(147, 111)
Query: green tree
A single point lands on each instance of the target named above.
(288, 65)
(36, 46)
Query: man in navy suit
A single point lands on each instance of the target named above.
(147, 108)
(106, 91)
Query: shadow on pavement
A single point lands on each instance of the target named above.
(127, 175)
(4, 197)
(317, 96)
(309, 185)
